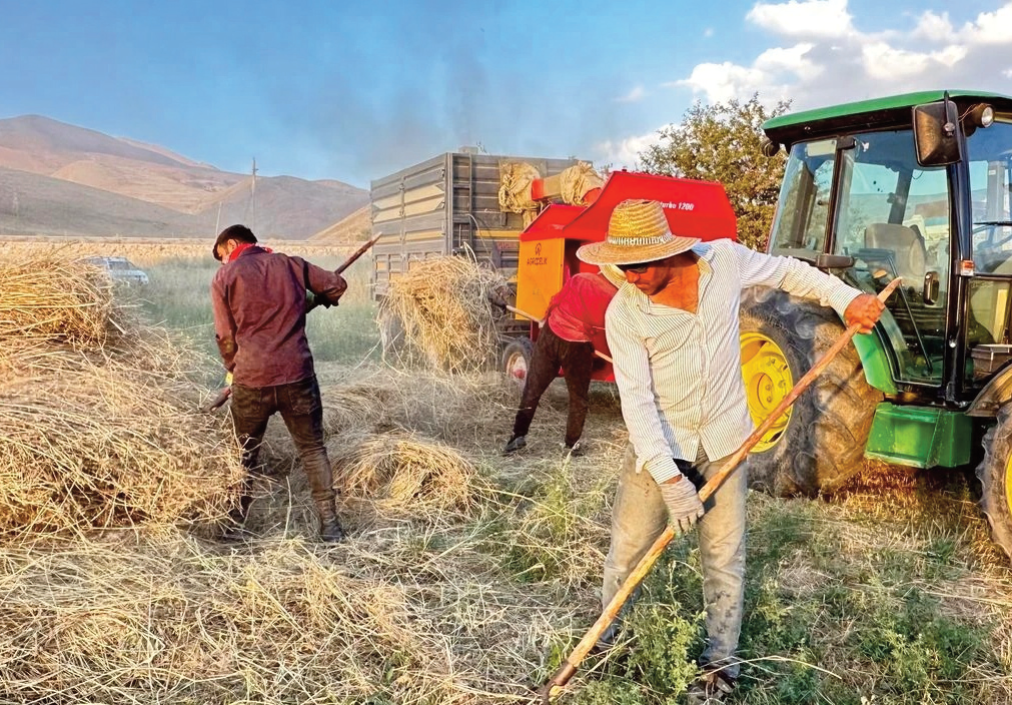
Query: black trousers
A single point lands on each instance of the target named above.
(577, 362)
(302, 411)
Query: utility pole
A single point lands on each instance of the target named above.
(253, 195)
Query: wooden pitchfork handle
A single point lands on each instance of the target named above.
(541, 324)
(571, 663)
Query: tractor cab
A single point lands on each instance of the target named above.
(870, 189)
(915, 187)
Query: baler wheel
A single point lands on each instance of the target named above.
(516, 360)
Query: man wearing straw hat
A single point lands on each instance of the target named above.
(260, 302)
(673, 333)
(572, 331)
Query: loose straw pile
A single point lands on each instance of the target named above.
(98, 422)
(401, 472)
(444, 308)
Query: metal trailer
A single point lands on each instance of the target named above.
(446, 205)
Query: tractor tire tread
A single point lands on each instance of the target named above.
(992, 473)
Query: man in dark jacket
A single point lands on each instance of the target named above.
(259, 301)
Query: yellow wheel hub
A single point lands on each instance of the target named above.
(768, 379)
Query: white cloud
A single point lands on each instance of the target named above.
(767, 75)
(990, 27)
(884, 61)
(721, 82)
(625, 153)
(1007, 73)
(807, 18)
(632, 96)
(950, 55)
(838, 62)
(791, 60)
(937, 28)
(708, 32)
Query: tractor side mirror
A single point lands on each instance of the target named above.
(936, 127)
(828, 261)
(931, 288)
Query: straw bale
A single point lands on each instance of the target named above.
(443, 306)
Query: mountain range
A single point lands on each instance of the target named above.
(60, 179)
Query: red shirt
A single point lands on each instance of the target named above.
(577, 312)
(259, 302)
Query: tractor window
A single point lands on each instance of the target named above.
(803, 210)
(893, 218)
(990, 150)
(989, 153)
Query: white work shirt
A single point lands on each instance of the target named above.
(679, 374)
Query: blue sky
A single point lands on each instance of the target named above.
(353, 90)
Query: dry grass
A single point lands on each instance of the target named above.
(100, 425)
(444, 310)
(464, 409)
(172, 620)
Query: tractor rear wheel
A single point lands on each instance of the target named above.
(819, 443)
(995, 475)
(516, 361)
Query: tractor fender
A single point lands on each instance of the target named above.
(875, 362)
(994, 395)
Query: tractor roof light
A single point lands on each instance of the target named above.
(982, 115)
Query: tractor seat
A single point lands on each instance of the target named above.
(907, 246)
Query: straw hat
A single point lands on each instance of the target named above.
(637, 232)
(613, 274)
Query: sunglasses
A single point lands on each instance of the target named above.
(634, 268)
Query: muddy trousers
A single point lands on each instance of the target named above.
(640, 516)
(577, 362)
(301, 409)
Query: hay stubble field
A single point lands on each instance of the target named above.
(469, 576)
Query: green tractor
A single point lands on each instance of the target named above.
(914, 186)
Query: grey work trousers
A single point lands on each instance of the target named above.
(639, 517)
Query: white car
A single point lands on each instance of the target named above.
(120, 269)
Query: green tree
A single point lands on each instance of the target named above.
(722, 142)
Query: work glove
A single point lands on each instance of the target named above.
(683, 503)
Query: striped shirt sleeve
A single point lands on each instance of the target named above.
(635, 384)
(793, 276)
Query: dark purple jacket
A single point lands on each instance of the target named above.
(259, 301)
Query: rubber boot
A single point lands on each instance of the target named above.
(330, 527)
(515, 443)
